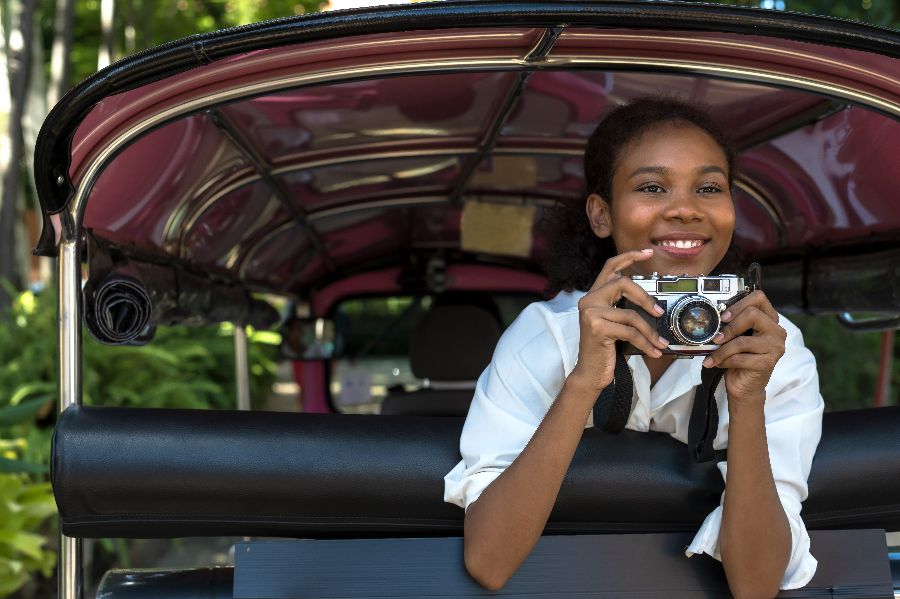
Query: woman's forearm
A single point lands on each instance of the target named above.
(505, 523)
(755, 538)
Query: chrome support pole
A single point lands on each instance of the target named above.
(69, 569)
(241, 368)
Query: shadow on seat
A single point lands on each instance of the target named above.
(450, 346)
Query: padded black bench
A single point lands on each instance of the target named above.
(136, 473)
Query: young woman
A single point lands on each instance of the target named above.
(659, 176)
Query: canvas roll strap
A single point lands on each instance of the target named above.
(704, 421)
(614, 403)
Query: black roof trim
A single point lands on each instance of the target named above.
(52, 154)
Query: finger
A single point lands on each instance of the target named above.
(615, 265)
(745, 362)
(611, 293)
(751, 318)
(634, 320)
(762, 346)
(756, 299)
(632, 335)
(639, 297)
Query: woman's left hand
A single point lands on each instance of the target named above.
(749, 359)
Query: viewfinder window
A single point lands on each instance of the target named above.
(715, 285)
(679, 286)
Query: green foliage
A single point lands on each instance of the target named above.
(180, 368)
(25, 507)
(142, 24)
(847, 362)
(26, 502)
(884, 13)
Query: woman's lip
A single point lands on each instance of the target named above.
(680, 252)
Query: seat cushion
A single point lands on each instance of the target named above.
(127, 472)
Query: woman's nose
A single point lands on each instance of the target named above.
(684, 207)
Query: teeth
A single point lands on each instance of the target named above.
(681, 243)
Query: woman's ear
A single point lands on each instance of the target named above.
(598, 214)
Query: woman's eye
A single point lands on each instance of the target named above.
(651, 188)
(710, 189)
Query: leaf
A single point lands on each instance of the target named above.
(10, 415)
(26, 543)
(12, 576)
(47, 388)
(8, 466)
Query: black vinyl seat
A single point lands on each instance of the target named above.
(129, 472)
(450, 346)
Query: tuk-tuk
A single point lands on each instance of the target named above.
(341, 161)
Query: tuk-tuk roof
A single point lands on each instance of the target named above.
(280, 154)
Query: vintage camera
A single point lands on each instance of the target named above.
(693, 308)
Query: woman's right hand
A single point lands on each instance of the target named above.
(602, 324)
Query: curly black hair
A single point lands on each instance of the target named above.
(575, 255)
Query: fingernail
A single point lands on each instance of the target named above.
(719, 336)
(726, 315)
(664, 341)
(707, 362)
(658, 310)
(657, 353)
(647, 251)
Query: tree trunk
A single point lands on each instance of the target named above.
(107, 14)
(18, 55)
(60, 62)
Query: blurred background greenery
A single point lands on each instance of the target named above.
(46, 47)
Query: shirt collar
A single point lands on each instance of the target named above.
(682, 376)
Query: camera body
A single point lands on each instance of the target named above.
(693, 306)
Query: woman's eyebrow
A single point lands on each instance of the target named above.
(658, 170)
(663, 170)
(703, 170)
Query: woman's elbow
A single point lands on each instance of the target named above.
(484, 571)
(754, 591)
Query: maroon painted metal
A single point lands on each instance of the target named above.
(376, 157)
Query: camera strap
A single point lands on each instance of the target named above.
(704, 423)
(613, 405)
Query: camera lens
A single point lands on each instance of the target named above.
(695, 321)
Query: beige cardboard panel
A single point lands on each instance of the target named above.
(497, 228)
(510, 172)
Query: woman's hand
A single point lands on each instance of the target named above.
(749, 359)
(602, 324)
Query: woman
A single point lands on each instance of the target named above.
(659, 175)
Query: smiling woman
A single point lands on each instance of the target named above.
(338, 156)
(664, 169)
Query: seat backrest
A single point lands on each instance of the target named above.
(451, 345)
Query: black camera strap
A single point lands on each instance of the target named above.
(615, 402)
(613, 405)
(704, 423)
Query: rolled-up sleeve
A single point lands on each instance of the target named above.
(793, 409)
(509, 403)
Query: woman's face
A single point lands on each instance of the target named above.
(670, 193)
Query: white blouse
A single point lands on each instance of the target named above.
(539, 350)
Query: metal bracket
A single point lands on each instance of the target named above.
(875, 324)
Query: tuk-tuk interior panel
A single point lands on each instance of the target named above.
(569, 104)
(227, 226)
(363, 235)
(329, 186)
(155, 183)
(278, 256)
(352, 56)
(370, 112)
(528, 173)
(858, 69)
(826, 180)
